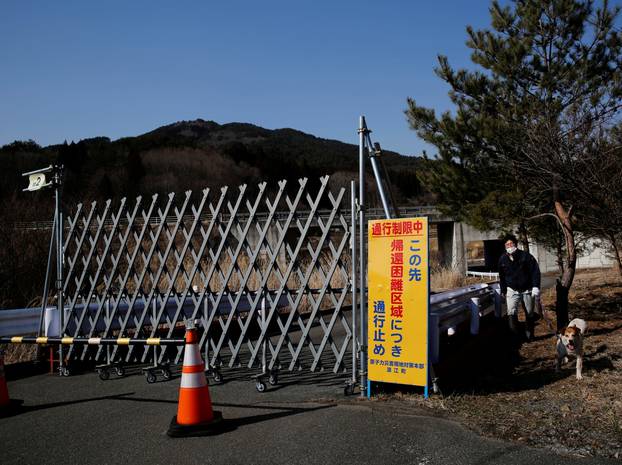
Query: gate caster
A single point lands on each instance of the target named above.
(104, 374)
(150, 376)
(273, 379)
(120, 371)
(348, 390)
(166, 374)
(64, 371)
(260, 386)
(216, 375)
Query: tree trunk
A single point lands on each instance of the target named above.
(565, 283)
(522, 236)
(616, 253)
(561, 304)
(559, 256)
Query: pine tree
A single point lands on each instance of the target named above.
(528, 119)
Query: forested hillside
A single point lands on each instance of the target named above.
(188, 155)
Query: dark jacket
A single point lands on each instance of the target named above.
(521, 274)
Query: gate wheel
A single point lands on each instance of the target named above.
(151, 377)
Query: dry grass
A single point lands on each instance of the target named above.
(444, 278)
(534, 405)
(224, 274)
(18, 353)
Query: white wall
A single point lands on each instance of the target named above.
(592, 255)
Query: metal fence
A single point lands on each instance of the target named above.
(265, 272)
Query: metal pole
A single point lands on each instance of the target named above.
(154, 308)
(59, 263)
(107, 323)
(264, 344)
(363, 131)
(353, 278)
(207, 363)
(383, 197)
(374, 152)
(46, 286)
(385, 175)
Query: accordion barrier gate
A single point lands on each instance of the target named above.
(264, 272)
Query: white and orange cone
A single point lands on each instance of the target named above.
(195, 415)
(5, 401)
(8, 406)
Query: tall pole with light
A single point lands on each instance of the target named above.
(52, 177)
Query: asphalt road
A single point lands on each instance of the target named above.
(304, 420)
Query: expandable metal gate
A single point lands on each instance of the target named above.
(270, 276)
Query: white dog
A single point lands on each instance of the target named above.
(570, 342)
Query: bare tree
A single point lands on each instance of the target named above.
(570, 160)
(600, 193)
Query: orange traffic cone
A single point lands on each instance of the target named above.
(4, 392)
(7, 406)
(195, 416)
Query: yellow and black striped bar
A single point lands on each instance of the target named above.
(96, 341)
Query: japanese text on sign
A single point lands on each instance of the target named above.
(398, 300)
(416, 227)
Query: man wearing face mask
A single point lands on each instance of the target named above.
(519, 277)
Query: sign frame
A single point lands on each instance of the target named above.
(398, 292)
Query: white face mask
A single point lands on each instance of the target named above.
(510, 250)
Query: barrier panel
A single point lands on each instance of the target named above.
(262, 268)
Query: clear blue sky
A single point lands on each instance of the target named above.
(76, 69)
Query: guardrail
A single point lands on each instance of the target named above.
(447, 311)
(25, 321)
(450, 309)
(19, 321)
(484, 274)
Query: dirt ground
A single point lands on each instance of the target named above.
(530, 403)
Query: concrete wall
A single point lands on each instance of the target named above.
(462, 235)
(591, 256)
(454, 237)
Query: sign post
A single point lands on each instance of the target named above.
(398, 274)
(52, 176)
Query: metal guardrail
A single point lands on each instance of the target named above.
(449, 309)
(484, 274)
(25, 321)
(19, 321)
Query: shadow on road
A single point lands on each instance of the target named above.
(19, 409)
(234, 423)
(228, 425)
(280, 413)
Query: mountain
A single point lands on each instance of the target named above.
(189, 155)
